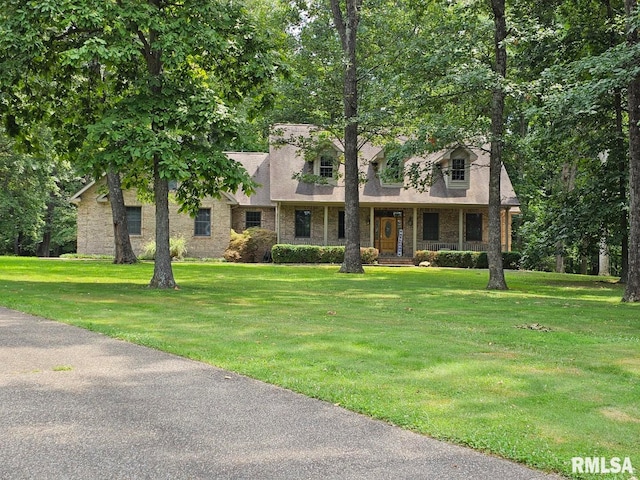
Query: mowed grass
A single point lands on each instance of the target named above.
(427, 349)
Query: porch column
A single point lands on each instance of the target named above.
(460, 228)
(278, 222)
(372, 226)
(415, 230)
(507, 229)
(326, 225)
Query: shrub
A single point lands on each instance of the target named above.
(464, 259)
(369, 255)
(252, 245)
(424, 256)
(511, 260)
(283, 253)
(237, 248)
(177, 248)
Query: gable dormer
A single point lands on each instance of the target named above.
(455, 165)
(326, 165)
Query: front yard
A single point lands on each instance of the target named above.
(544, 372)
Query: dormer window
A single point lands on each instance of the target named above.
(456, 166)
(458, 169)
(326, 166)
(390, 171)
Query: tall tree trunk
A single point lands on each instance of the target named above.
(621, 158)
(494, 250)
(347, 28)
(124, 251)
(162, 271)
(44, 247)
(632, 290)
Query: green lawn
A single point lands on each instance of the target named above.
(428, 349)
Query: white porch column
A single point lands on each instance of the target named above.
(415, 230)
(278, 222)
(460, 229)
(326, 225)
(507, 229)
(372, 226)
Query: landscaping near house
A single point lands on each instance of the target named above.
(544, 372)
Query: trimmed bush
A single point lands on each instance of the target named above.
(425, 256)
(464, 259)
(369, 255)
(283, 253)
(251, 246)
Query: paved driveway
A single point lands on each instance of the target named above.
(79, 405)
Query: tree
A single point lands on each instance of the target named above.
(123, 251)
(175, 72)
(347, 27)
(494, 253)
(632, 290)
(35, 214)
(569, 118)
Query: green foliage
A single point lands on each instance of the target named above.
(177, 248)
(35, 214)
(283, 253)
(251, 246)
(464, 259)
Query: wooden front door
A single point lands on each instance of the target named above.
(388, 235)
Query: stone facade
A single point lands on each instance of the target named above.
(281, 192)
(95, 225)
(267, 217)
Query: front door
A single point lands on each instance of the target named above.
(388, 235)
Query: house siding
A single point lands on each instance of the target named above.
(95, 225)
(238, 217)
(287, 226)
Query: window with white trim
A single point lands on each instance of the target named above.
(458, 169)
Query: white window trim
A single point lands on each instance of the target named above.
(459, 184)
(382, 166)
(333, 180)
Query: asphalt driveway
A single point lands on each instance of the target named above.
(79, 405)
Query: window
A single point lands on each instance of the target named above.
(303, 223)
(474, 227)
(458, 170)
(203, 223)
(430, 226)
(341, 233)
(253, 219)
(392, 172)
(134, 220)
(326, 166)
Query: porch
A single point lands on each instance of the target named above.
(395, 232)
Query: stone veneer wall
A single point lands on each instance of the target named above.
(238, 218)
(287, 225)
(95, 225)
(449, 223)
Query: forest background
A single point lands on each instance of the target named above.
(426, 69)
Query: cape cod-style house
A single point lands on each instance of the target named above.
(302, 200)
